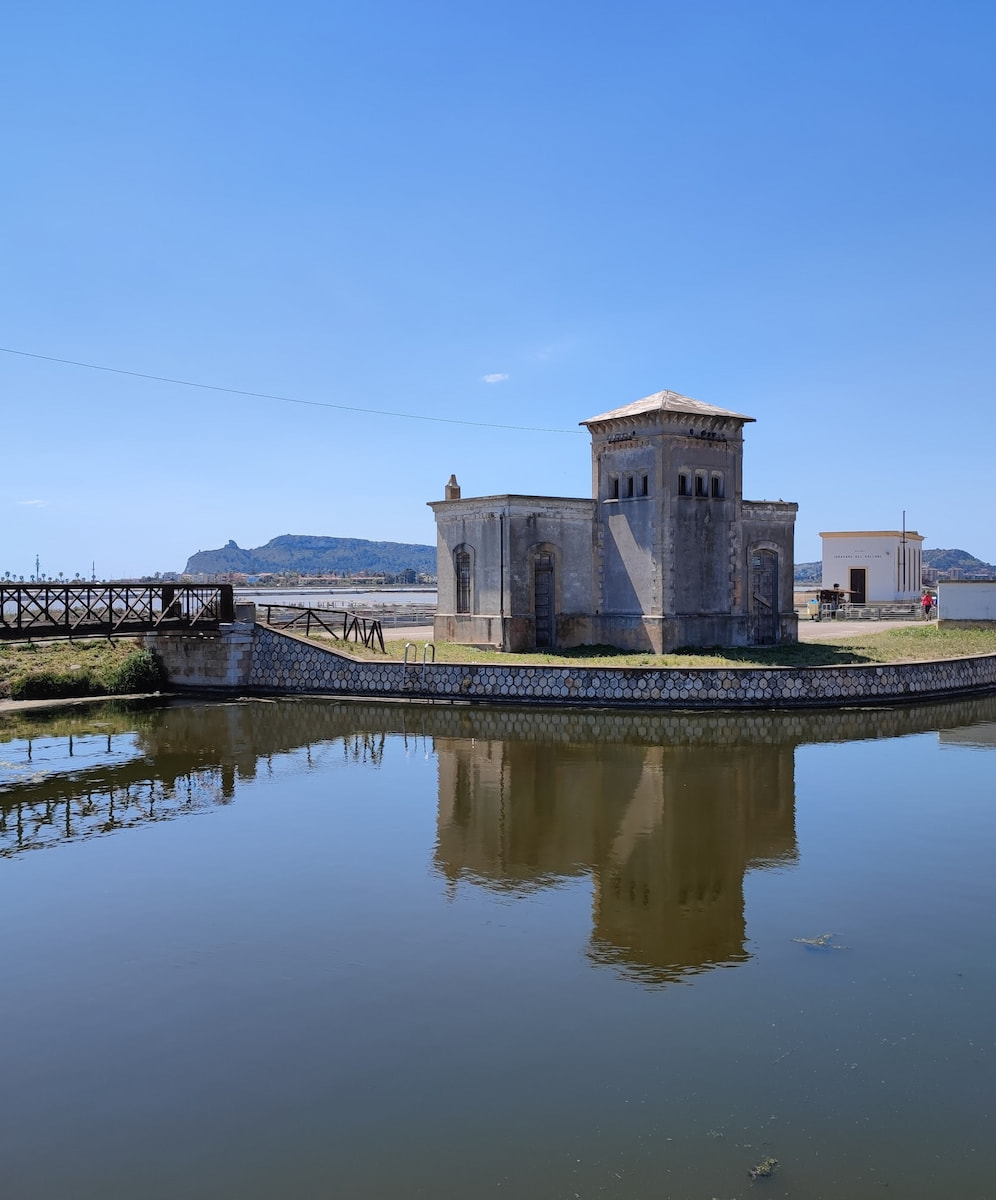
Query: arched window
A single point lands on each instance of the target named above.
(462, 567)
(545, 597)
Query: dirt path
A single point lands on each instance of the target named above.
(832, 631)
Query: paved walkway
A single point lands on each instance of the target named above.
(831, 631)
(408, 633)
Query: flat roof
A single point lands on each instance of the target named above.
(516, 498)
(892, 533)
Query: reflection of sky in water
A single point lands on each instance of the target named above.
(453, 953)
(970, 737)
(74, 787)
(24, 761)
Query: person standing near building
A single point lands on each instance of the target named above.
(928, 605)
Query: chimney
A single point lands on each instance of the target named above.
(452, 489)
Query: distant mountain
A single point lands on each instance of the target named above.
(315, 556)
(961, 560)
(323, 555)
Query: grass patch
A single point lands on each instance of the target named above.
(918, 643)
(61, 670)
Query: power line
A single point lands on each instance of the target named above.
(213, 387)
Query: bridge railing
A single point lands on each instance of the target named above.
(339, 624)
(30, 610)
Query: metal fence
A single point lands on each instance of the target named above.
(45, 610)
(340, 625)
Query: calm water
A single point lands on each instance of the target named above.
(309, 949)
(337, 597)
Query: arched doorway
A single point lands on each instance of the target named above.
(763, 608)
(543, 599)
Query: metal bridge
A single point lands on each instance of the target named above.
(58, 610)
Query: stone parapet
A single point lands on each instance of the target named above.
(283, 663)
(212, 660)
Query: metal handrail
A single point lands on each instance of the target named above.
(39, 610)
(425, 650)
(362, 630)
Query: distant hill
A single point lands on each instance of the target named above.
(315, 556)
(947, 560)
(939, 560)
(322, 555)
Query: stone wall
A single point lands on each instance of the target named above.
(206, 660)
(502, 535)
(284, 663)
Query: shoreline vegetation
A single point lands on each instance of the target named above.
(67, 670)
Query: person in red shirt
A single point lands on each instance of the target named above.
(928, 604)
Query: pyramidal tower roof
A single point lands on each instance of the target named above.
(665, 402)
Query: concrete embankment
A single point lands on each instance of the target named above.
(253, 658)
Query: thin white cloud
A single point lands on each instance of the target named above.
(553, 350)
(31, 503)
(495, 377)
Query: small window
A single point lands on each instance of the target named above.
(614, 488)
(629, 485)
(701, 485)
(717, 487)
(683, 484)
(645, 486)
(461, 561)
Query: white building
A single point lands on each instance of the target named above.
(879, 566)
(966, 602)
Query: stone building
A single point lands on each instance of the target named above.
(666, 553)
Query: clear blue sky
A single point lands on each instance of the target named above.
(781, 208)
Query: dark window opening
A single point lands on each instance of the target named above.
(613, 489)
(717, 486)
(700, 485)
(629, 485)
(683, 489)
(544, 599)
(645, 486)
(462, 562)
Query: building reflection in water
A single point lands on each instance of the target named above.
(665, 812)
(666, 834)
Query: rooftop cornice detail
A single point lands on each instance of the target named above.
(665, 402)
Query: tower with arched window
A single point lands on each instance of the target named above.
(666, 553)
